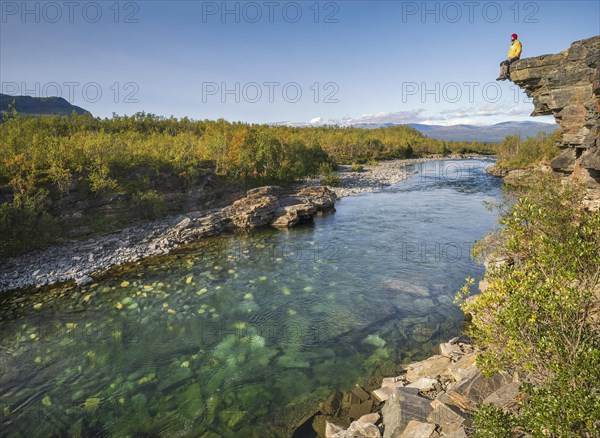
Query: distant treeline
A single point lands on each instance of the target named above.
(57, 148)
(514, 152)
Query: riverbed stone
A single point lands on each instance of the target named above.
(333, 404)
(174, 379)
(357, 410)
(406, 288)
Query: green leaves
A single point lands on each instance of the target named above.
(534, 315)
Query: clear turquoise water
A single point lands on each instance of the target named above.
(242, 334)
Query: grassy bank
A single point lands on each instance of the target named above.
(132, 164)
(539, 315)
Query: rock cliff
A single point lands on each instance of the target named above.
(567, 85)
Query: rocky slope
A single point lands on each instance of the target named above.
(432, 398)
(567, 85)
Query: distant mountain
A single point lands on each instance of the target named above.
(39, 105)
(484, 133)
(490, 133)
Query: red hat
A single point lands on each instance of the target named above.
(514, 35)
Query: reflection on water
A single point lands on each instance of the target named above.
(241, 335)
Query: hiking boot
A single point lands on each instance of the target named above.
(501, 78)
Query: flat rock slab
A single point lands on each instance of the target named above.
(473, 390)
(449, 419)
(417, 429)
(504, 395)
(423, 384)
(358, 429)
(432, 367)
(384, 393)
(405, 405)
(464, 367)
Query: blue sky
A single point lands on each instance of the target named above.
(295, 61)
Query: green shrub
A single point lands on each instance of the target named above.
(325, 168)
(373, 162)
(357, 167)
(331, 180)
(149, 204)
(534, 316)
(515, 152)
(491, 421)
(444, 149)
(24, 229)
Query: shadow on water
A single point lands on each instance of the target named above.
(241, 335)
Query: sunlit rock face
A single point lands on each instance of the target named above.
(567, 85)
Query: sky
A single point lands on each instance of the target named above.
(285, 61)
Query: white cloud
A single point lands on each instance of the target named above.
(476, 115)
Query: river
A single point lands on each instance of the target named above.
(241, 334)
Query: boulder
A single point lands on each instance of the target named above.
(384, 393)
(464, 367)
(471, 391)
(417, 429)
(332, 430)
(504, 395)
(403, 406)
(431, 367)
(449, 350)
(448, 418)
(333, 404)
(286, 217)
(370, 418)
(359, 429)
(423, 384)
(323, 423)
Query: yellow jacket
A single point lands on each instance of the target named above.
(515, 49)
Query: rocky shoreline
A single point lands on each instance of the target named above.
(80, 260)
(435, 397)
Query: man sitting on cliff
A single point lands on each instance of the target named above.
(514, 53)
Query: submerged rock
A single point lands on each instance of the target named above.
(374, 340)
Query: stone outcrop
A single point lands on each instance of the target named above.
(79, 260)
(435, 397)
(567, 86)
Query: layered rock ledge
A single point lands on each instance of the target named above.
(567, 85)
(79, 260)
